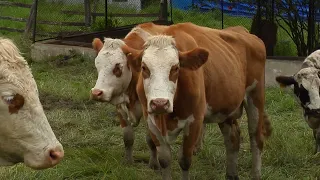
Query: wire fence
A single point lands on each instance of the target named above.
(71, 17)
(288, 27)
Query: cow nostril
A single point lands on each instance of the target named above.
(55, 155)
(160, 102)
(97, 92)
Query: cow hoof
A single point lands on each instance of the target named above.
(154, 165)
(197, 150)
(128, 161)
(232, 177)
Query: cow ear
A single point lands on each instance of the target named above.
(97, 44)
(193, 59)
(285, 81)
(134, 57)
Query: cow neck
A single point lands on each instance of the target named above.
(136, 42)
(131, 91)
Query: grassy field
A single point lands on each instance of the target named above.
(92, 138)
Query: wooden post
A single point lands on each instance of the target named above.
(87, 11)
(30, 19)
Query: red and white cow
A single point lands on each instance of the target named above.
(25, 134)
(116, 83)
(194, 73)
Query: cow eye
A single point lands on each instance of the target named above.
(117, 71)
(143, 68)
(8, 99)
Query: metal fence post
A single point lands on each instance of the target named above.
(87, 10)
(164, 10)
(222, 23)
(171, 10)
(311, 27)
(106, 14)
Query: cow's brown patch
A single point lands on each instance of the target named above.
(133, 56)
(15, 104)
(145, 71)
(193, 59)
(117, 71)
(174, 73)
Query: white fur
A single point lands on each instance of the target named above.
(113, 87)
(159, 56)
(171, 136)
(309, 79)
(24, 136)
(313, 60)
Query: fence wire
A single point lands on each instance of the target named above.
(270, 20)
(70, 17)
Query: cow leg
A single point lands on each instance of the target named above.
(316, 135)
(255, 112)
(191, 135)
(231, 134)
(164, 154)
(200, 140)
(128, 138)
(165, 158)
(153, 161)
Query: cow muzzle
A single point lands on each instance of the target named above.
(159, 106)
(100, 95)
(49, 158)
(312, 112)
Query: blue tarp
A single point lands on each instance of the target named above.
(234, 9)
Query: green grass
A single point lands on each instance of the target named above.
(92, 137)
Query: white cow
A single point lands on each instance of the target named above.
(25, 134)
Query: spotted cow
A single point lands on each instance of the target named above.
(306, 84)
(25, 134)
(192, 74)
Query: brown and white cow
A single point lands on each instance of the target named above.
(25, 134)
(116, 83)
(193, 73)
(306, 84)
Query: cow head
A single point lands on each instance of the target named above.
(25, 134)
(114, 75)
(306, 85)
(160, 63)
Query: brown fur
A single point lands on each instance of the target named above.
(117, 71)
(236, 60)
(191, 85)
(231, 50)
(97, 44)
(16, 104)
